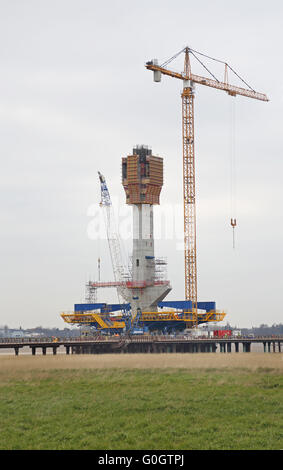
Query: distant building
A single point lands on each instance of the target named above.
(16, 334)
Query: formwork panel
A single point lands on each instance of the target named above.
(142, 177)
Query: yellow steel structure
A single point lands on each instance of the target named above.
(187, 317)
(101, 320)
(189, 79)
(164, 316)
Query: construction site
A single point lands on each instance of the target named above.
(141, 281)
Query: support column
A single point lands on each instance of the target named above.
(33, 350)
(67, 349)
(16, 351)
(247, 347)
(54, 350)
(264, 346)
(236, 347)
(228, 347)
(44, 350)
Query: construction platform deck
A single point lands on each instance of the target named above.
(143, 344)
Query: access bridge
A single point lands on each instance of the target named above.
(142, 344)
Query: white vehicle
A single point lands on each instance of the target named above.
(236, 333)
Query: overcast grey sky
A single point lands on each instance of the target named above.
(75, 97)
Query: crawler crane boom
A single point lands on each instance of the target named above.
(121, 274)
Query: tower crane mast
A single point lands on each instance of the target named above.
(189, 80)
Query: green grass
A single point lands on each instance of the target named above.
(142, 409)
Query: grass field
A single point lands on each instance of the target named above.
(162, 401)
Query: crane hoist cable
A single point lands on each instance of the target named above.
(233, 188)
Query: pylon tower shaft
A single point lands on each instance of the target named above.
(189, 197)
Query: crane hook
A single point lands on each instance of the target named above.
(233, 224)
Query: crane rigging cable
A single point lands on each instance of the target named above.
(193, 52)
(204, 66)
(172, 58)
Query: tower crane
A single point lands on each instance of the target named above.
(189, 80)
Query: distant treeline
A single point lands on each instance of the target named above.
(48, 332)
(262, 330)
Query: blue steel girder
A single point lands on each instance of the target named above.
(187, 305)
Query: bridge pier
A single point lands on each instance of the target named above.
(246, 347)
